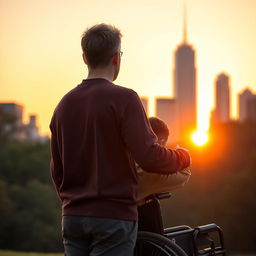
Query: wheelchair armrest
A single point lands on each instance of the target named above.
(177, 228)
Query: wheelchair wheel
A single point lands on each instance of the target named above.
(152, 244)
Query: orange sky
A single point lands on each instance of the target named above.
(40, 55)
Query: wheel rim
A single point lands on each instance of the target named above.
(152, 244)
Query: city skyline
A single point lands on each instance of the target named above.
(41, 56)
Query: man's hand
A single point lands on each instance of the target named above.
(186, 171)
(186, 150)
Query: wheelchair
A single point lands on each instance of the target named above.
(155, 240)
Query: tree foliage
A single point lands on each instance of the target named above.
(29, 207)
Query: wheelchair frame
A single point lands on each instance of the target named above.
(206, 240)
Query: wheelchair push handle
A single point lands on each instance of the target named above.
(158, 196)
(163, 195)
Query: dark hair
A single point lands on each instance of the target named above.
(99, 43)
(159, 126)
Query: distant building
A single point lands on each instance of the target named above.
(166, 109)
(243, 104)
(251, 109)
(222, 98)
(19, 130)
(144, 101)
(15, 111)
(185, 86)
(31, 128)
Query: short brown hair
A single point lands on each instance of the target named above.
(99, 43)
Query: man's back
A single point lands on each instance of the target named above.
(96, 135)
(95, 171)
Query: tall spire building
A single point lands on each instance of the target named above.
(185, 85)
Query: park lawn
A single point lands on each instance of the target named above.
(14, 253)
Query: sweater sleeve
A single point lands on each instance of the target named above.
(56, 168)
(141, 142)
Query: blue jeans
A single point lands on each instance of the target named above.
(91, 236)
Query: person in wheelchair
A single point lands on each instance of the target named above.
(153, 238)
(153, 183)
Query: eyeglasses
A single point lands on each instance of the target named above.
(119, 52)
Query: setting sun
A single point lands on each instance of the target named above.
(200, 138)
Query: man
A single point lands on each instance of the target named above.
(98, 130)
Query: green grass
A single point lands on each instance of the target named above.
(13, 253)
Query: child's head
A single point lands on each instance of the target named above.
(160, 128)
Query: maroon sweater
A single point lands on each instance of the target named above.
(98, 130)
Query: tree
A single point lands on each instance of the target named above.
(6, 213)
(36, 224)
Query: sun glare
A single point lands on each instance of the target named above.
(200, 138)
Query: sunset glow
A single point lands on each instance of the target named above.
(200, 138)
(41, 57)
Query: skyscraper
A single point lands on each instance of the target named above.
(32, 129)
(251, 108)
(222, 98)
(243, 99)
(185, 86)
(166, 110)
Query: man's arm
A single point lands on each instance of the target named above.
(141, 141)
(56, 168)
